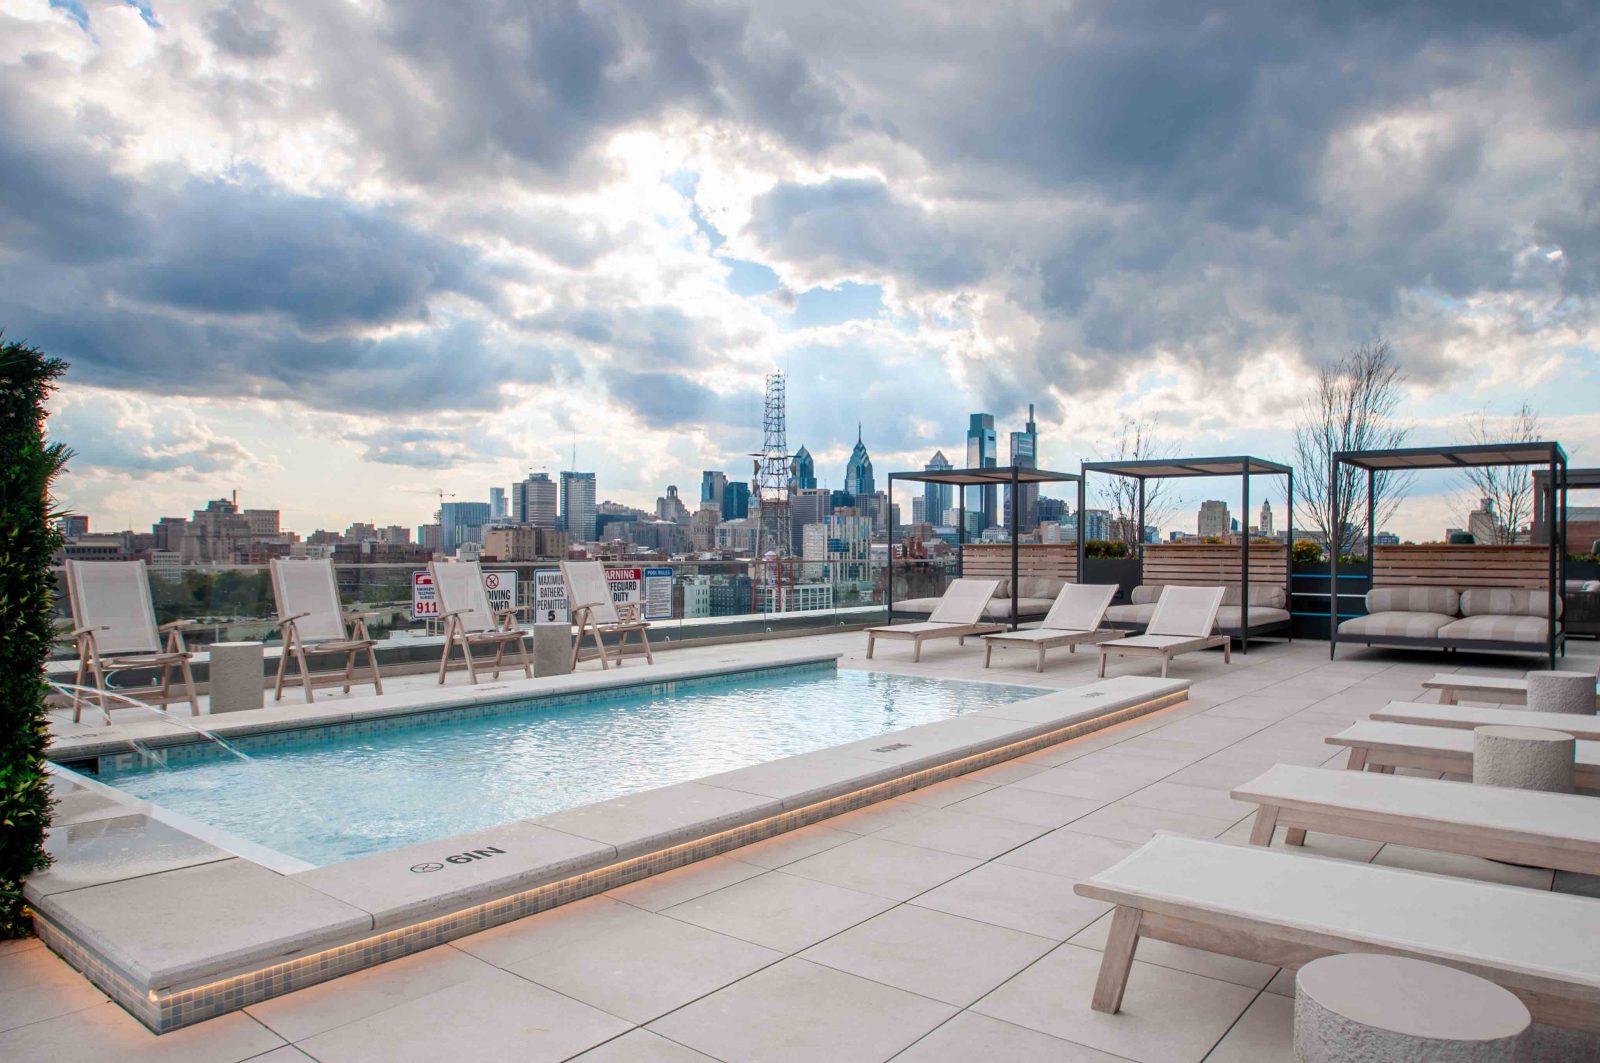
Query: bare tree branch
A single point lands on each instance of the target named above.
(1136, 440)
(1508, 488)
(1352, 406)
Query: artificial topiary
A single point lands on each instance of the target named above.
(27, 539)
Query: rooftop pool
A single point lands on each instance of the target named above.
(329, 793)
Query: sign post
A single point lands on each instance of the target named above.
(550, 597)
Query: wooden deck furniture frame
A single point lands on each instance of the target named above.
(598, 614)
(1426, 566)
(1468, 717)
(469, 622)
(1383, 747)
(1518, 826)
(1209, 895)
(957, 616)
(114, 626)
(1502, 690)
(1243, 569)
(1012, 477)
(1172, 631)
(312, 624)
(1073, 620)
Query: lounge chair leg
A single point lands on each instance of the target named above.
(600, 648)
(871, 642)
(188, 681)
(1227, 651)
(444, 658)
(77, 692)
(283, 663)
(1294, 836)
(577, 649)
(1165, 660)
(644, 640)
(988, 652)
(522, 648)
(1039, 664)
(377, 680)
(1266, 820)
(1103, 657)
(100, 686)
(1117, 960)
(349, 669)
(499, 654)
(166, 686)
(1383, 769)
(916, 650)
(305, 672)
(1358, 759)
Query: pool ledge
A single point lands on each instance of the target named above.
(186, 943)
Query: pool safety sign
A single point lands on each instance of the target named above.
(658, 594)
(549, 597)
(627, 584)
(499, 584)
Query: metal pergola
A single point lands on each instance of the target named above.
(1012, 476)
(1242, 466)
(1474, 456)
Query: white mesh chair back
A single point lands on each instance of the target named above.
(1079, 607)
(309, 587)
(963, 601)
(587, 586)
(114, 595)
(459, 587)
(1187, 611)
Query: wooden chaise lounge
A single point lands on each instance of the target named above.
(1467, 717)
(958, 614)
(1501, 690)
(1185, 620)
(1519, 826)
(1074, 619)
(1287, 909)
(1384, 747)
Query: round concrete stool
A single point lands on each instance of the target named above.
(1561, 692)
(236, 676)
(1523, 758)
(1369, 1008)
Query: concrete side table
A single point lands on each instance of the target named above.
(552, 649)
(236, 677)
(1552, 691)
(1524, 758)
(1370, 1008)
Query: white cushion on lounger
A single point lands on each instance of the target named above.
(1407, 625)
(1534, 629)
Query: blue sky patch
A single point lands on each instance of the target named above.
(820, 307)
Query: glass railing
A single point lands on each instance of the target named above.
(681, 599)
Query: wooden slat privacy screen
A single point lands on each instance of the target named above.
(1461, 566)
(993, 560)
(1209, 565)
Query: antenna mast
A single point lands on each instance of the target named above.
(773, 473)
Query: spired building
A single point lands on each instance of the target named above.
(803, 472)
(937, 499)
(981, 501)
(1025, 455)
(858, 472)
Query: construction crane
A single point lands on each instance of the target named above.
(438, 492)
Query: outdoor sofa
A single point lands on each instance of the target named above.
(1268, 609)
(1035, 596)
(1477, 618)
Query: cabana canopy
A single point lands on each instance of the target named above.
(1554, 479)
(1006, 475)
(1241, 465)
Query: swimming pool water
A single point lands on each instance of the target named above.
(328, 798)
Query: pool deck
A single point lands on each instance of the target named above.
(939, 924)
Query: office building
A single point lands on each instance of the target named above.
(703, 529)
(1025, 455)
(427, 537)
(858, 471)
(671, 507)
(736, 500)
(919, 509)
(578, 506)
(524, 542)
(809, 505)
(72, 525)
(803, 470)
(533, 501)
(712, 486)
(937, 498)
(497, 503)
(1214, 521)
(838, 550)
(981, 501)
(461, 522)
(1096, 524)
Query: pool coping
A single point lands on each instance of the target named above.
(218, 934)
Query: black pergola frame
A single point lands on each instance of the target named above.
(1468, 456)
(1012, 476)
(1241, 465)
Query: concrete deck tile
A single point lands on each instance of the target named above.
(1327, 846)
(92, 852)
(1176, 797)
(944, 794)
(396, 888)
(495, 1018)
(286, 1054)
(107, 1034)
(803, 1012)
(328, 1005)
(883, 868)
(1182, 958)
(1283, 982)
(962, 833)
(931, 953)
(36, 984)
(1166, 1016)
(1223, 771)
(792, 845)
(1134, 823)
(1036, 807)
(780, 911)
(12, 946)
(1030, 901)
(1008, 771)
(970, 1036)
(1457, 865)
(1068, 854)
(681, 884)
(642, 1046)
(1264, 1032)
(875, 817)
(936, 742)
(655, 819)
(506, 944)
(1072, 781)
(198, 922)
(620, 972)
(76, 804)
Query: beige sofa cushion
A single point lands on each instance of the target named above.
(1131, 614)
(1403, 624)
(1039, 587)
(1532, 629)
(1000, 608)
(1229, 615)
(1145, 594)
(1506, 601)
(1414, 600)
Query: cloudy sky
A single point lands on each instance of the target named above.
(337, 253)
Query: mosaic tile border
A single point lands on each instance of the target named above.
(166, 1011)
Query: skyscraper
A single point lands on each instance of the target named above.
(936, 498)
(1214, 522)
(533, 501)
(858, 472)
(981, 455)
(577, 506)
(497, 503)
(1266, 520)
(461, 522)
(712, 484)
(1025, 455)
(805, 471)
(736, 500)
